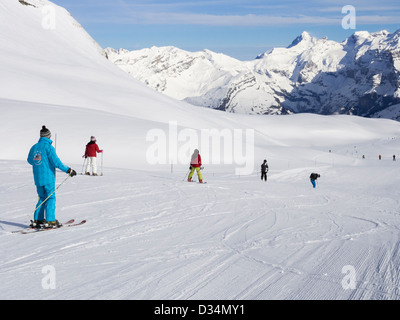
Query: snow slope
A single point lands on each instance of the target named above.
(150, 234)
(64, 66)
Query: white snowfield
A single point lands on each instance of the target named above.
(152, 235)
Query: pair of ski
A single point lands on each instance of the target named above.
(70, 223)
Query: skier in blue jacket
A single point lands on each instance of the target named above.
(44, 160)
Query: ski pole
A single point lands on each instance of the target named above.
(102, 162)
(83, 166)
(69, 176)
(186, 175)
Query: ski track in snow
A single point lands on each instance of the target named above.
(157, 237)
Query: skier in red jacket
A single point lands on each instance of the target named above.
(195, 164)
(91, 154)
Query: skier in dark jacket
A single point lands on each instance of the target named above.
(313, 178)
(44, 160)
(264, 170)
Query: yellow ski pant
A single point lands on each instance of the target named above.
(198, 173)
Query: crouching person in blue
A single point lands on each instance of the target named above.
(44, 161)
(313, 178)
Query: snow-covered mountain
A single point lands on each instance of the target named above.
(359, 76)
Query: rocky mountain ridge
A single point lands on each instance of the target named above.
(359, 76)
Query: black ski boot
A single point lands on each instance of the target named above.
(51, 224)
(37, 224)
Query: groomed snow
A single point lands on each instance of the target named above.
(151, 235)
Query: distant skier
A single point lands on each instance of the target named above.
(195, 164)
(44, 160)
(394, 157)
(264, 170)
(313, 178)
(91, 154)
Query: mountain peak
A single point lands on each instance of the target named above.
(305, 37)
(362, 34)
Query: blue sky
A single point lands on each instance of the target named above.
(239, 28)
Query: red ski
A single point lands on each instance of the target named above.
(69, 223)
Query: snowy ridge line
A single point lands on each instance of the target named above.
(311, 75)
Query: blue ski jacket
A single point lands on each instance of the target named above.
(44, 161)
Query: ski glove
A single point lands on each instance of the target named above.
(71, 172)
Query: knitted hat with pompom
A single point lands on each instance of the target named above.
(45, 133)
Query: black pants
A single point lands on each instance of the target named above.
(264, 176)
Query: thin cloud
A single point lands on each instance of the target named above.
(286, 13)
(362, 9)
(376, 19)
(241, 13)
(249, 20)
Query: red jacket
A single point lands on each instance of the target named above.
(91, 149)
(196, 162)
